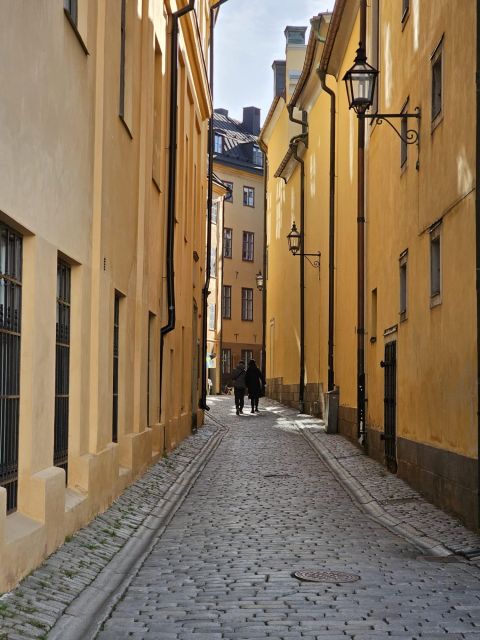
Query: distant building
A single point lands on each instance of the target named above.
(238, 162)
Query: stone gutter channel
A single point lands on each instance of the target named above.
(388, 499)
(75, 589)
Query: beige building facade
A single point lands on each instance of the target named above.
(97, 253)
(238, 162)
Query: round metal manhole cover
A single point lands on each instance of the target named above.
(334, 577)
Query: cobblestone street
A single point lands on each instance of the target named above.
(263, 506)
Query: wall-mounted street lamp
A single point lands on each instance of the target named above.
(259, 280)
(295, 245)
(360, 81)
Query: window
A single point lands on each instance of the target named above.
(257, 156)
(226, 361)
(123, 42)
(116, 330)
(62, 367)
(229, 196)
(217, 143)
(227, 242)
(214, 212)
(247, 246)
(247, 304)
(247, 355)
(437, 82)
(405, 9)
(435, 266)
(150, 359)
(211, 316)
(403, 285)
(227, 302)
(71, 6)
(403, 141)
(373, 318)
(157, 118)
(125, 99)
(213, 262)
(10, 332)
(248, 197)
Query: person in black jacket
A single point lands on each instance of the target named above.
(238, 379)
(255, 382)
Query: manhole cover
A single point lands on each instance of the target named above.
(334, 577)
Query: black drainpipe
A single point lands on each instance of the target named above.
(205, 293)
(477, 219)
(172, 182)
(331, 234)
(294, 147)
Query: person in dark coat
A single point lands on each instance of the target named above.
(238, 379)
(255, 382)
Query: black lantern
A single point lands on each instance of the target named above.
(294, 240)
(259, 279)
(360, 81)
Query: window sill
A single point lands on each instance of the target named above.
(403, 316)
(76, 31)
(435, 300)
(250, 206)
(405, 17)
(127, 128)
(436, 121)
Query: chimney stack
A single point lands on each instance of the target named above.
(279, 77)
(251, 120)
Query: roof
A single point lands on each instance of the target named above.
(238, 143)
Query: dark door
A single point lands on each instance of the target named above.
(390, 405)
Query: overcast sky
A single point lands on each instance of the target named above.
(248, 38)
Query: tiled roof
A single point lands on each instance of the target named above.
(237, 142)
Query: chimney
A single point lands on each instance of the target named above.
(279, 77)
(295, 35)
(222, 112)
(251, 120)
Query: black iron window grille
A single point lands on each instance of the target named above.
(10, 332)
(116, 326)
(62, 367)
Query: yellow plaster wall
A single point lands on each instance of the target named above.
(436, 360)
(78, 183)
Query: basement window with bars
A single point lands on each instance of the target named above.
(11, 248)
(62, 367)
(116, 333)
(403, 285)
(226, 360)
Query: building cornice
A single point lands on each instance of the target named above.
(270, 121)
(338, 36)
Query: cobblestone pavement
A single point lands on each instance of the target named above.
(32, 609)
(265, 506)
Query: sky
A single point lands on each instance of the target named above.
(248, 38)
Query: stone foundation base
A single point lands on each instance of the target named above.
(288, 394)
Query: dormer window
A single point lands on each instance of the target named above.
(218, 143)
(257, 156)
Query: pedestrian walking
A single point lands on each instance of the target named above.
(255, 383)
(238, 379)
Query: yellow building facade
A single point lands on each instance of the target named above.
(420, 253)
(102, 241)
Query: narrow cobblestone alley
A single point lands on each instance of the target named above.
(265, 506)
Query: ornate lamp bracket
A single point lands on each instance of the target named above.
(412, 136)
